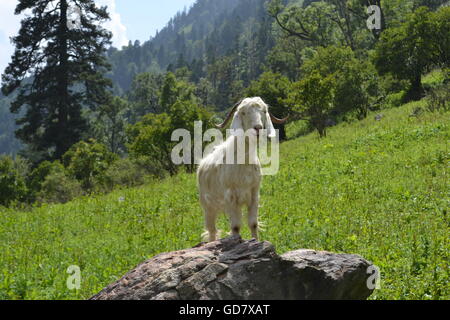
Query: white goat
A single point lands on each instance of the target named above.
(227, 187)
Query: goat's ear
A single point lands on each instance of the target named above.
(271, 133)
(237, 125)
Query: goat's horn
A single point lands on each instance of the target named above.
(275, 120)
(230, 115)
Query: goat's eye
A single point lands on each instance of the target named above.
(243, 113)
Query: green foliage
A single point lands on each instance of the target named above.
(144, 95)
(38, 175)
(169, 91)
(335, 84)
(110, 122)
(396, 99)
(286, 57)
(12, 180)
(152, 136)
(433, 79)
(374, 188)
(312, 23)
(412, 48)
(325, 23)
(438, 99)
(57, 186)
(126, 173)
(273, 88)
(364, 177)
(441, 36)
(356, 80)
(86, 161)
(313, 98)
(222, 74)
(55, 72)
(388, 84)
(196, 38)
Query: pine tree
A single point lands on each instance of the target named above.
(57, 70)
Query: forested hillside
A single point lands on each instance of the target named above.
(201, 36)
(221, 46)
(8, 142)
(200, 39)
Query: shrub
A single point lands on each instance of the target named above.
(407, 51)
(396, 99)
(12, 180)
(312, 98)
(57, 186)
(389, 84)
(152, 136)
(87, 160)
(356, 83)
(438, 99)
(126, 173)
(433, 79)
(37, 177)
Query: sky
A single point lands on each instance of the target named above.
(130, 20)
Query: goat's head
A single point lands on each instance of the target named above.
(252, 114)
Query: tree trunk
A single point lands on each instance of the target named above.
(322, 131)
(416, 91)
(321, 127)
(63, 84)
(283, 135)
(362, 113)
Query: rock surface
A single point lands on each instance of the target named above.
(234, 269)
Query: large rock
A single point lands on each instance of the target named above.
(234, 269)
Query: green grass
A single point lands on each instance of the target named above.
(375, 188)
(433, 78)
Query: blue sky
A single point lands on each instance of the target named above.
(130, 20)
(143, 17)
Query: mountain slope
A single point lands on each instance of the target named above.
(375, 188)
(210, 29)
(8, 142)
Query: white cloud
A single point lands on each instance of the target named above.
(115, 25)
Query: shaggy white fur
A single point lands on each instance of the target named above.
(229, 179)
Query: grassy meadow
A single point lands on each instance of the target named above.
(375, 188)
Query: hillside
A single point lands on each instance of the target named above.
(8, 142)
(375, 188)
(208, 30)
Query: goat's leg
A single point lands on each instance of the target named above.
(253, 214)
(235, 214)
(210, 224)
